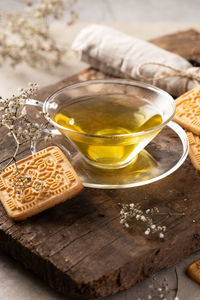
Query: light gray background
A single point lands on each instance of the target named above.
(127, 10)
(146, 19)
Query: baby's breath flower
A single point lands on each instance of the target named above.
(159, 289)
(137, 217)
(153, 226)
(23, 131)
(161, 235)
(32, 42)
(14, 118)
(147, 232)
(143, 218)
(129, 211)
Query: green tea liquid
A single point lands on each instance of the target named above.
(108, 116)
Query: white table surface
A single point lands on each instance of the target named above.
(144, 19)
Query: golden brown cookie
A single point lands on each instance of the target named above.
(188, 110)
(193, 271)
(40, 181)
(194, 151)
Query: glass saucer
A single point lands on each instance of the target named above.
(164, 155)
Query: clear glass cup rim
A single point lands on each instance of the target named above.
(111, 81)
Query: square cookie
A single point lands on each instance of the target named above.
(41, 181)
(188, 110)
(194, 151)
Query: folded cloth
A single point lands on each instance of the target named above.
(118, 54)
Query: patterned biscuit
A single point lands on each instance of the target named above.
(193, 271)
(48, 177)
(188, 110)
(194, 152)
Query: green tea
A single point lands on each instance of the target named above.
(108, 117)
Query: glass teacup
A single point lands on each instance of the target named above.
(113, 113)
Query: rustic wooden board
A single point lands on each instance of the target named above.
(80, 249)
(185, 43)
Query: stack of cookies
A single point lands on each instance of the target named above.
(188, 116)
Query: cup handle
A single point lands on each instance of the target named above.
(53, 131)
(34, 102)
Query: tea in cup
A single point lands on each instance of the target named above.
(110, 121)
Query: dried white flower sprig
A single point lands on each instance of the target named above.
(14, 118)
(25, 36)
(160, 290)
(21, 182)
(130, 211)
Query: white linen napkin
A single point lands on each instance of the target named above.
(118, 54)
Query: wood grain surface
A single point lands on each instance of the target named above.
(79, 247)
(185, 43)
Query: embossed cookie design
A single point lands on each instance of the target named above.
(193, 271)
(194, 151)
(48, 178)
(188, 110)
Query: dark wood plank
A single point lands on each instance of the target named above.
(176, 43)
(80, 249)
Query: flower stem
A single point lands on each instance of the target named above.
(15, 153)
(170, 214)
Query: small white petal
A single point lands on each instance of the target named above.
(161, 235)
(147, 231)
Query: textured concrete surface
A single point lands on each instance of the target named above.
(17, 283)
(128, 10)
(145, 19)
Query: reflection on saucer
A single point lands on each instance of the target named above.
(143, 168)
(166, 153)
